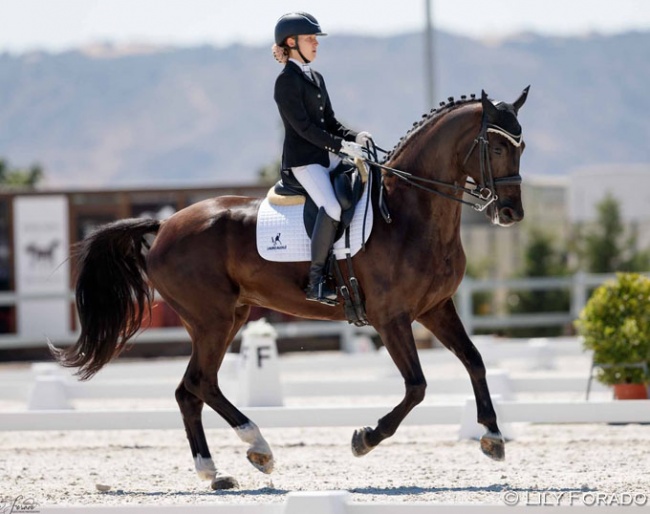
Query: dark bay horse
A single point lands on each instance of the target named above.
(204, 262)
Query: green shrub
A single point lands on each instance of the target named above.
(615, 324)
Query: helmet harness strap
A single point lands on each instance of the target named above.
(297, 47)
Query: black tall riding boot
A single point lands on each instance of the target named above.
(322, 240)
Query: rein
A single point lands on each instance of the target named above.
(485, 192)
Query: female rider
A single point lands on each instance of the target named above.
(313, 137)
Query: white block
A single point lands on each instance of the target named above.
(320, 502)
(49, 393)
(259, 368)
(543, 356)
(46, 368)
(471, 429)
(500, 384)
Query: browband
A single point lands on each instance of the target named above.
(515, 140)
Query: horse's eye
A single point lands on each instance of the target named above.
(498, 150)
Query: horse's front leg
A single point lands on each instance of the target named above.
(397, 337)
(445, 324)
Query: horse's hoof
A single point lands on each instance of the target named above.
(262, 461)
(221, 482)
(493, 445)
(360, 445)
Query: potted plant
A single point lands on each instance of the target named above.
(615, 325)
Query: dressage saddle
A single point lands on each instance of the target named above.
(348, 188)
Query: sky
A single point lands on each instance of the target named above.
(58, 25)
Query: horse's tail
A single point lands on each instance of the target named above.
(112, 294)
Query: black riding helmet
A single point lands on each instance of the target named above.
(296, 24)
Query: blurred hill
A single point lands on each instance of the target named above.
(107, 116)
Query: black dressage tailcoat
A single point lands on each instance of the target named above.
(310, 127)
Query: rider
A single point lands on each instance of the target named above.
(313, 137)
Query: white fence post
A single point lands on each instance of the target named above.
(259, 370)
(578, 293)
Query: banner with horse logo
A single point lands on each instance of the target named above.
(41, 266)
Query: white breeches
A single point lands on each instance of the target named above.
(316, 181)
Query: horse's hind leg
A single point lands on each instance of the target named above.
(445, 324)
(397, 337)
(191, 407)
(200, 380)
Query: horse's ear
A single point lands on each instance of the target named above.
(519, 102)
(490, 112)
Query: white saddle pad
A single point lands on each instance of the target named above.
(281, 234)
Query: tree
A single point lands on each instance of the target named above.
(20, 177)
(541, 259)
(639, 260)
(608, 246)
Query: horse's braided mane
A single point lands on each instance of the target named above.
(429, 118)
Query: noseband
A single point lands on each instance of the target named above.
(485, 192)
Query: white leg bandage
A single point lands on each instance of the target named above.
(250, 433)
(205, 468)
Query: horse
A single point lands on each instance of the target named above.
(43, 254)
(203, 261)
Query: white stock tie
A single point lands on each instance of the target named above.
(306, 69)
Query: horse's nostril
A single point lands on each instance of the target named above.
(510, 214)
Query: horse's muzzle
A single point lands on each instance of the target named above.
(508, 215)
(505, 214)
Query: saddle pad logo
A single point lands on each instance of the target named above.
(276, 243)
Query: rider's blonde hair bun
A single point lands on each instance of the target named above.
(280, 54)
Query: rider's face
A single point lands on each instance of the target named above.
(308, 47)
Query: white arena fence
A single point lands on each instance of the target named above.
(51, 392)
(159, 378)
(578, 286)
(629, 411)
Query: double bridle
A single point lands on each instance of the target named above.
(485, 192)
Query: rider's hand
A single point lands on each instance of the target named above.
(363, 138)
(351, 149)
